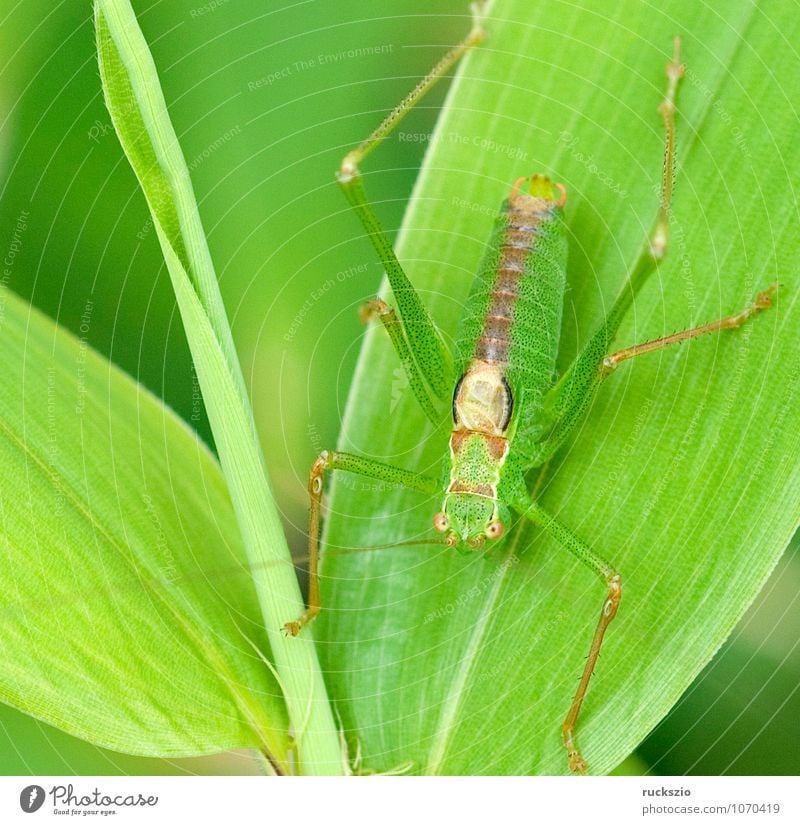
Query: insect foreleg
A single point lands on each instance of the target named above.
(423, 338)
(612, 580)
(352, 464)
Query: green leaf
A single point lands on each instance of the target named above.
(129, 616)
(683, 475)
(139, 113)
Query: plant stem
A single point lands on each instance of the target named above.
(127, 67)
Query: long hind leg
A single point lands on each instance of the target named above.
(569, 399)
(611, 579)
(414, 327)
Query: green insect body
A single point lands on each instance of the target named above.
(509, 415)
(507, 349)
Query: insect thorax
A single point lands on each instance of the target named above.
(482, 408)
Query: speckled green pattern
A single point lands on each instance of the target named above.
(475, 463)
(478, 301)
(468, 515)
(535, 332)
(537, 324)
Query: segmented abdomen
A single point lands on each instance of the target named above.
(517, 242)
(513, 315)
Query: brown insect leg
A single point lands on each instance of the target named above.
(762, 301)
(315, 479)
(576, 762)
(582, 551)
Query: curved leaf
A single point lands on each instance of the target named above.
(685, 473)
(129, 616)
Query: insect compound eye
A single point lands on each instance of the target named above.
(440, 522)
(495, 530)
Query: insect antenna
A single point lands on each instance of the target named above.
(351, 551)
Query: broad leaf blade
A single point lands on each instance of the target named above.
(685, 473)
(129, 614)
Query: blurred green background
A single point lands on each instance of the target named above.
(266, 98)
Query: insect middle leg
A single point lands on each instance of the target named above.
(609, 610)
(415, 325)
(352, 464)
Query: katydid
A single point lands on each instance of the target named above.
(509, 416)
